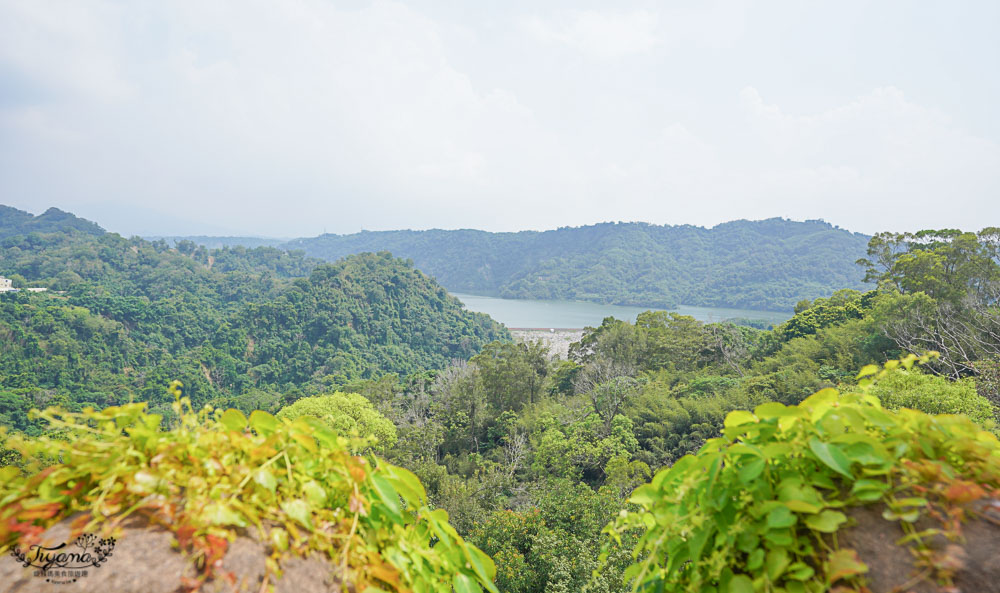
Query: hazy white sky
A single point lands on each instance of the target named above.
(294, 117)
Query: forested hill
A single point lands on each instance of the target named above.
(768, 264)
(18, 222)
(243, 327)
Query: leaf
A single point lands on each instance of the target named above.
(869, 490)
(800, 506)
(386, 493)
(464, 584)
(739, 418)
(407, 484)
(740, 583)
(305, 440)
(298, 510)
(844, 563)
(279, 538)
(315, 493)
(219, 513)
(233, 420)
(770, 410)
(831, 456)
(826, 522)
(265, 478)
(751, 471)
(264, 423)
(780, 517)
(777, 562)
(483, 565)
(868, 369)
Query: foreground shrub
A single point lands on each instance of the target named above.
(296, 482)
(758, 508)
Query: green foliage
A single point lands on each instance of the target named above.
(809, 318)
(235, 325)
(346, 414)
(767, 264)
(295, 481)
(944, 264)
(512, 374)
(932, 394)
(551, 547)
(752, 510)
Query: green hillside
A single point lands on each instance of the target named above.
(131, 315)
(768, 264)
(18, 222)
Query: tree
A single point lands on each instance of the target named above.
(512, 375)
(349, 413)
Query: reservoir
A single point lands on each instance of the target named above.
(579, 314)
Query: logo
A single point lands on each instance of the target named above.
(65, 563)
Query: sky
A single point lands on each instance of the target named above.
(297, 117)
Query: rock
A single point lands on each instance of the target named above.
(144, 560)
(893, 568)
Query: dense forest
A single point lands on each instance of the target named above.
(765, 265)
(530, 455)
(248, 327)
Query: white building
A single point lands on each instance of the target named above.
(5, 284)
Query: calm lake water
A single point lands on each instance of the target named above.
(577, 314)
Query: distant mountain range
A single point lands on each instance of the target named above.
(766, 264)
(18, 222)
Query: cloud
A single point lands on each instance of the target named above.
(879, 154)
(296, 117)
(601, 34)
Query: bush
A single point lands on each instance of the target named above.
(217, 472)
(754, 510)
(347, 414)
(932, 394)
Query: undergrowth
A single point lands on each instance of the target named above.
(216, 473)
(758, 509)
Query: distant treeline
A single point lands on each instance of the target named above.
(766, 265)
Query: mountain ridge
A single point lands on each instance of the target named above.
(768, 264)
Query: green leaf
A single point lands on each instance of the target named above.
(751, 471)
(219, 513)
(264, 423)
(800, 571)
(407, 484)
(315, 493)
(483, 565)
(801, 506)
(740, 583)
(265, 478)
(298, 510)
(464, 584)
(869, 369)
(739, 418)
(777, 562)
(233, 420)
(831, 456)
(279, 539)
(780, 517)
(826, 522)
(386, 493)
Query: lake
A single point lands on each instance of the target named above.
(577, 314)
